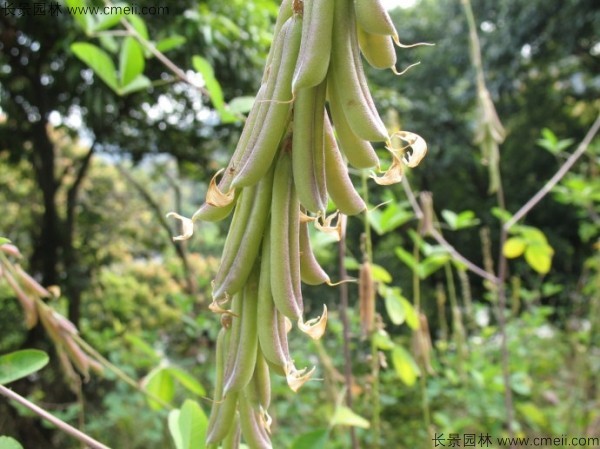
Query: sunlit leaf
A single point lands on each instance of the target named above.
(380, 274)
(174, 429)
(19, 364)
(213, 87)
(186, 380)
(139, 83)
(107, 21)
(405, 366)
(382, 341)
(9, 443)
(170, 43)
(393, 305)
(99, 61)
(533, 414)
(539, 257)
(139, 25)
(412, 317)
(241, 105)
(159, 383)
(343, 416)
(192, 425)
(131, 61)
(514, 247)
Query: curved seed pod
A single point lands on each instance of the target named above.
(374, 18)
(224, 418)
(258, 390)
(339, 185)
(378, 49)
(360, 152)
(315, 47)
(307, 148)
(272, 334)
(233, 438)
(285, 12)
(235, 235)
(237, 270)
(249, 133)
(254, 426)
(311, 271)
(348, 79)
(217, 428)
(241, 373)
(285, 251)
(260, 155)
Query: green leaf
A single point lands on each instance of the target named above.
(9, 443)
(99, 61)
(139, 25)
(141, 345)
(405, 366)
(213, 87)
(382, 341)
(241, 105)
(412, 317)
(380, 274)
(19, 364)
(432, 264)
(451, 218)
(501, 214)
(107, 21)
(4, 240)
(343, 416)
(192, 425)
(131, 61)
(464, 219)
(539, 257)
(315, 439)
(86, 21)
(393, 305)
(407, 258)
(174, 428)
(187, 380)
(170, 43)
(514, 247)
(351, 263)
(159, 382)
(139, 83)
(532, 414)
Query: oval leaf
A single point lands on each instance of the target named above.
(192, 425)
(99, 61)
(9, 443)
(187, 380)
(514, 247)
(539, 257)
(343, 416)
(174, 428)
(159, 383)
(405, 366)
(19, 364)
(131, 61)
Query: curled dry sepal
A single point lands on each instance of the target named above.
(290, 162)
(61, 331)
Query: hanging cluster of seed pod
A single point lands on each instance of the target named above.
(289, 162)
